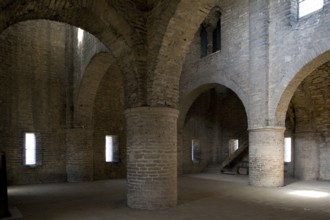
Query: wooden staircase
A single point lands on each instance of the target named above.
(234, 164)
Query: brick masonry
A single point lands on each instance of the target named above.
(151, 157)
(216, 116)
(307, 154)
(266, 54)
(38, 94)
(266, 160)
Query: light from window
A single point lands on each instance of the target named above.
(111, 149)
(308, 6)
(287, 150)
(30, 149)
(233, 145)
(195, 151)
(309, 193)
(80, 35)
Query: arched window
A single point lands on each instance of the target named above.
(210, 33)
(217, 37)
(203, 36)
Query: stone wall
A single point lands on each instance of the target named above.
(109, 120)
(263, 60)
(33, 98)
(38, 76)
(229, 66)
(83, 51)
(199, 125)
(297, 48)
(310, 107)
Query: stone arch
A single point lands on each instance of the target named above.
(306, 68)
(166, 69)
(84, 102)
(213, 96)
(188, 99)
(186, 102)
(190, 94)
(96, 17)
(213, 17)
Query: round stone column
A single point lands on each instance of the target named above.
(151, 157)
(266, 156)
(307, 155)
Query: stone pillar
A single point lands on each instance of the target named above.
(151, 157)
(307, 156)
(79, 156)
(266, 156)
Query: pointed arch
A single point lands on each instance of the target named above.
(84, 103)
(94, 16)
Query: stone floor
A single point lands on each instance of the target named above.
(202, 196)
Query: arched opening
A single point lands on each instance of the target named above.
(213, 133)
(43, 64)
(307, 123)
(210, 33)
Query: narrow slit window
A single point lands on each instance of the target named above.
(287, 149)
(111, 149)
(30, 149)
(80, 36)
(306, 7)
(195, 151)
(233, 145)
(217, 37)
(203, 36)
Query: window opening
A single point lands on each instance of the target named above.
(30, 149)
(217, 37)
(287, 149)
(203, 36)
(111, 149)
(80, 36)
(233, 145)
(306, 7)
(195, 151)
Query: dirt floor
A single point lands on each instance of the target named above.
(202, 196)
